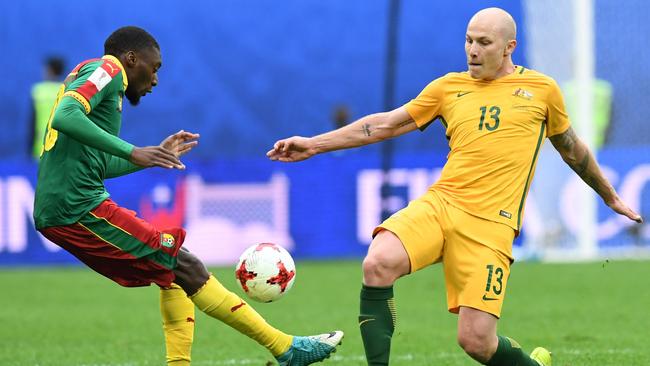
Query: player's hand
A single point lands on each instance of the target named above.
(181, 142)
(621, 208)
(293, 149)
(155, 156)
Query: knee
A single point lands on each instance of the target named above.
(190, 272)
(475, 345)
(380, 270)
(190, 263)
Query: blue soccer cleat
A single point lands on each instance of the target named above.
(307, 350)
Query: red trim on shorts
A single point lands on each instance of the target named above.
(140, 229)
(108, 259)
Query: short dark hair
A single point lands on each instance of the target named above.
(127, 39)
(56, 65)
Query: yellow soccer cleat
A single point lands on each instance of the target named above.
(542, 356)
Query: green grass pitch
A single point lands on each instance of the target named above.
(587, 314)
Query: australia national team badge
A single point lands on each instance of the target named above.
(167, 240)
(522, 93)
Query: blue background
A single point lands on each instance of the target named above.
(243, 74)
(246, 74)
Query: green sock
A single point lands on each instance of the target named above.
(509, 353)
(377, 322)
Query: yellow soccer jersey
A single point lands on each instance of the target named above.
(495, 131)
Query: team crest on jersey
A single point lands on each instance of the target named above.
(522, 93)
(167, 240)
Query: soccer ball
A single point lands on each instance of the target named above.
(265, 272)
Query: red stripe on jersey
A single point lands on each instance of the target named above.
(72, 76)
(82, 64)
(87, 90)
(111, 68)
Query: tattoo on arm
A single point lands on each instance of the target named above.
(405, 123)
(564, 142)
(580, 167)
(590, 176)
(366, 129)
(567, 144)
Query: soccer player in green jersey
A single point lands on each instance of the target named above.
(72, 207)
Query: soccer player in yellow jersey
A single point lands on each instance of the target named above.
(496, 116)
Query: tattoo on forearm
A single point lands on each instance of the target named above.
(366, 129)
(406, 123)
(571, 150)
(565, 141)
(580, 167)
(590, 176)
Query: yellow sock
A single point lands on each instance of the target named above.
(216, 301)
(177, 312)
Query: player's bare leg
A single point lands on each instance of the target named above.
(477, 335)
(216, 301)
(386, 261)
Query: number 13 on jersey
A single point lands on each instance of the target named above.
(494, 115)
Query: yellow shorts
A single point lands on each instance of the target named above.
(475, 253)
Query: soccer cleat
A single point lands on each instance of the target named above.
(307, 350)
(542, 356)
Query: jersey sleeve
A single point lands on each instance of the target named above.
(70, 120)
(94, 81)
(557, 119)
(427, 105)
(118, 167)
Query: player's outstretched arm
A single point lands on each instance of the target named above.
(71, 120)
(366, 130)
(576, 154)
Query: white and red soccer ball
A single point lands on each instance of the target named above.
(265, 272)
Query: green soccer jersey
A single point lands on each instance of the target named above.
(81, 147)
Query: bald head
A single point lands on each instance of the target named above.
(496, 20)
(489, 44)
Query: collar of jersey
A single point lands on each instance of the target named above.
(114, 59)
